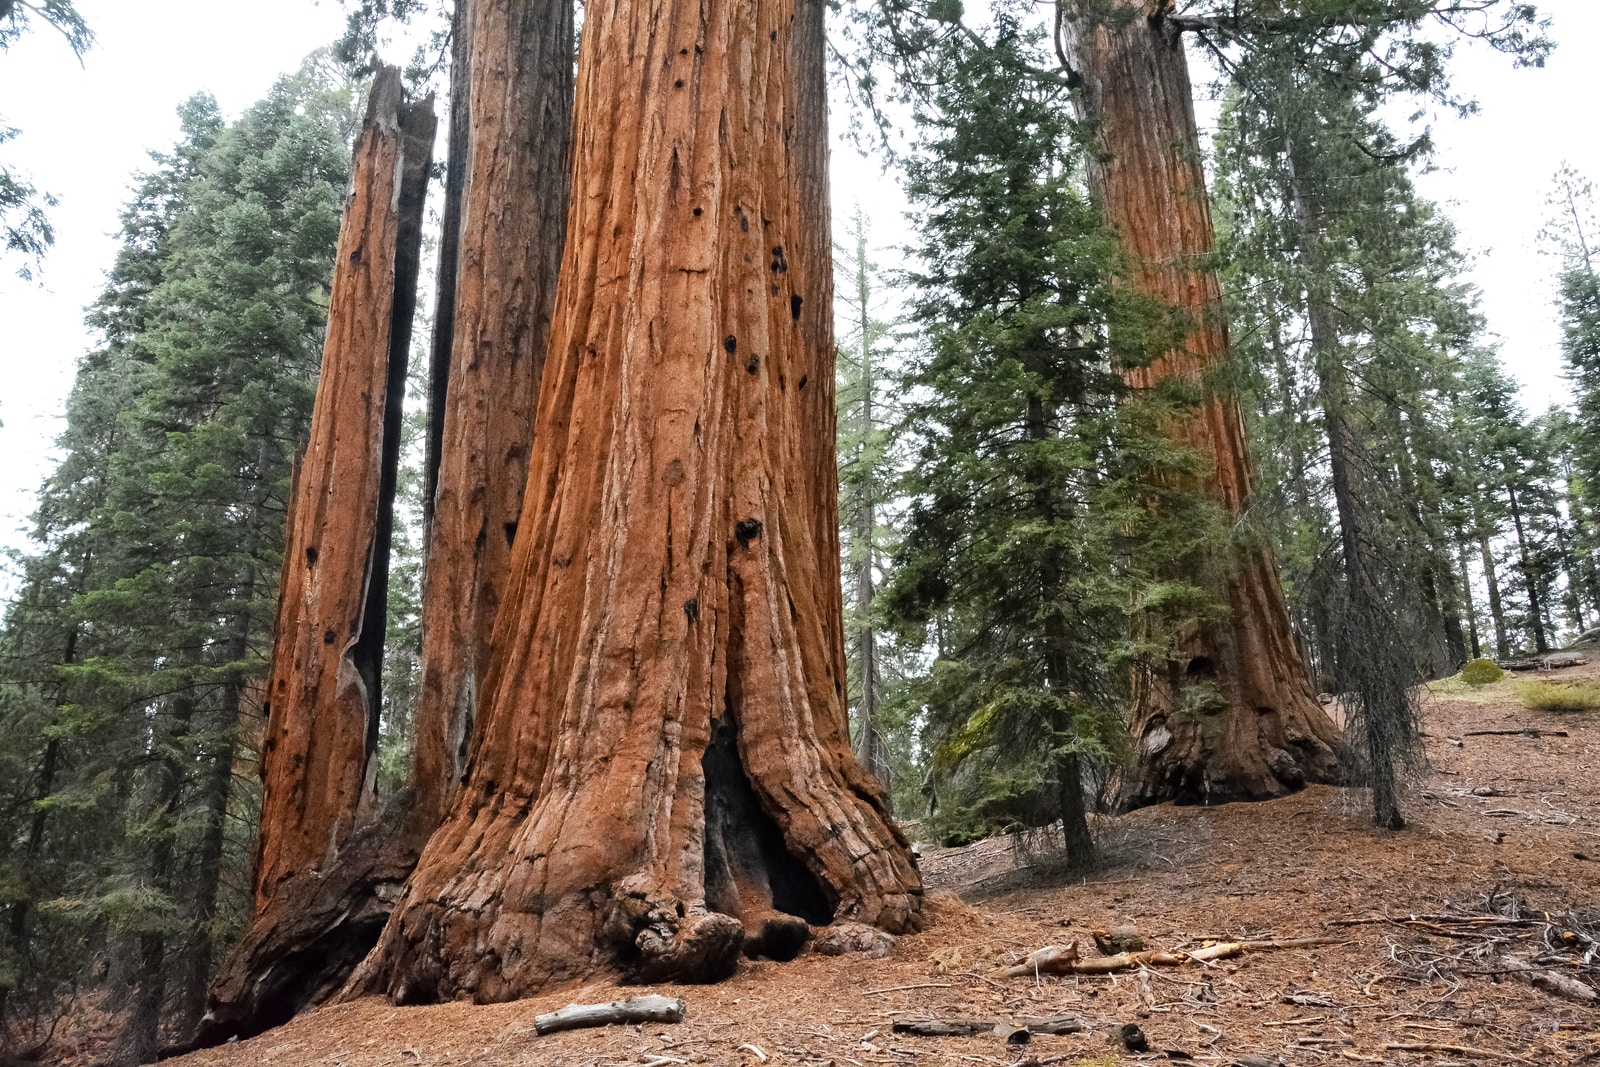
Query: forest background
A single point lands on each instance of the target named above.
(91, 126)
(201, 291)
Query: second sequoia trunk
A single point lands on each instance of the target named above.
(512, 214)
(661, 772)
(1259, 732)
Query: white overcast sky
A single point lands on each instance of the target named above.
(86, 130)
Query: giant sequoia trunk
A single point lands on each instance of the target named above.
(661, 772)
(1263, 733)
(315, 914)
(512, 218)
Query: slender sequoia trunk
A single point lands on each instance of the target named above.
(1497, 611)
(322, 857)
(322, 696)
(513, 216)
(1267, 735)
(661, 771)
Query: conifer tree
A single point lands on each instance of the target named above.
(863, 488)
(188, 418)
(1033, 508)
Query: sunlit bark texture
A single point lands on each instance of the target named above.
(321, 857)
(1236, 720)
(661, 773)
(512, 223)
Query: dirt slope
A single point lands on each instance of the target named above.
(1529, 835)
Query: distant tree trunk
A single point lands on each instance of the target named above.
(1466, 588)
(324, 857)
(513, 218)
(661, 770)
(1497, 611)
(1530, 576)
(168, 765)
(869, 746)
(1267, 735)
(1375, 668)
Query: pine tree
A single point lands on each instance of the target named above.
(212, 321)
(863, 488)
(1032, 506)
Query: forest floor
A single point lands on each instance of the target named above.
(1498, 823)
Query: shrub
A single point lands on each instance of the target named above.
(1481, 672)
(1560, 696)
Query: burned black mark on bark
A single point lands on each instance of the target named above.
(748, 530)
(754, 366)
(795, 303)
(780, 265)
(691, 609)
(511, 533)
(730, 344)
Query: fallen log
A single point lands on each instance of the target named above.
(1515, 733)
(1063, 959)
(650, 1009)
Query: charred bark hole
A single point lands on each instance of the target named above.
(794, 306)
(750, 873)
(747, 530)
(1201, 668)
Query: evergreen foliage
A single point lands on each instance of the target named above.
(25, 229)
(144, 616)
(1035, 492)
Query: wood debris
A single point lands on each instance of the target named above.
(1064, 959)
(651, 1009)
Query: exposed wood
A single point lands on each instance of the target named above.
(323, 691)
(512, 229)
(1063, 959)
(1267, 735)
(661, 769)
(651, 1009)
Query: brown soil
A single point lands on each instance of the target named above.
(1286, 868)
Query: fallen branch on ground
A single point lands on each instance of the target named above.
(1459, 1050)
(650, 1009)
(1014, 1031)
(1063, 959)
(1515, 733)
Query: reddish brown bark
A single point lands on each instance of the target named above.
(1266, 735)
(661, 765)
(325, 868)
(323, 691)
(513, 218)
